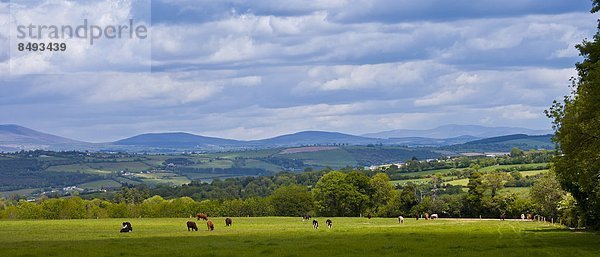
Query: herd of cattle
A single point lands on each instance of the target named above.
(192, 226)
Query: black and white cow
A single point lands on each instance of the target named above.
(126, 227)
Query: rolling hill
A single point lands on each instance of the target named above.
(452, 130)
(16, 138)
(178, 140)
(315, 138)
(505, 143)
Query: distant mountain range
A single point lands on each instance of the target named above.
(177, 140)
(15, 138)
(315, 138)
(450, 131)
(504, 143)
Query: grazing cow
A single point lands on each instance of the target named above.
(426, 216)
(202, 216)
(192, 225)
(369, 216)
(417, 216)
(529, 217)
(329, 223)
(305, 217)
(228, 222)
(522, 216)
(434, 216)
(126, 227)
(210, 225)
(502, 216)
(315, 224)
(400, 219)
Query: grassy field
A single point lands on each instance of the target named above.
(100, 184)
(531, 166)
(276, 236)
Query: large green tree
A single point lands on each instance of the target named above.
(577, 126)
(474, 198)
(333, 197)
(546, 195)
(382, 191)
(293, 200)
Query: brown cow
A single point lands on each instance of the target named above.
(202, 216)
(228, 222)
(192, 225)
(210, 225)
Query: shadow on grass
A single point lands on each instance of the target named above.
(321, 244)
(556, 230)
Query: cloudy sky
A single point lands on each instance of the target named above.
(256, 69)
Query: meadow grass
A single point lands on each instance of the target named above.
(279, 236)
(99, 184)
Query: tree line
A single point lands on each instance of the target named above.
(335, 193)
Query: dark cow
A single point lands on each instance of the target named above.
(228, 222)
(202, 216)
(315, 224)
(210, 225)
(126, 227)
(502, 216)
(192, 225)
(417, 216)
(329, 223)
(305, 217)
(369, 216)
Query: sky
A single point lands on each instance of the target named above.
(256, 69)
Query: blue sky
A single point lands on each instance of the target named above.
(256, 69)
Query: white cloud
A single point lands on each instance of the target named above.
(80, 55)
(268, 68)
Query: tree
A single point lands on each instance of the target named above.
(334, 197)
(291, 200)
(516, 152)
(576, 121)
(474, 198)
(408, 197)
(546, 194)
(382, 190)
(364, 186)
(495, 181)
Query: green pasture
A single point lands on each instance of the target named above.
(279, 236)
(26, 191)
(119, 166)
(414, 181)
(528, 166)
(517, 190)
(337, 158)
(82, 168)
(532, 172)
(99, 184)
(162, 178)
